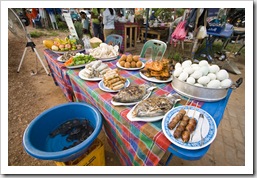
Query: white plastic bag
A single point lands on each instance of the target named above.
(202, 33)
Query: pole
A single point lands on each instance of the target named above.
(146, 28)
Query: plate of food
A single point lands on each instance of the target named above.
(131, 95)
(114, 88)
(189, 135)
(66, 56)
(78, 61)
(74, 51)
(153, 108)
(154, 79)
(108, 58)
(83, 76)
(130, 68)
(94, 71)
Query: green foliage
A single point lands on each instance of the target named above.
(62, 25)
(177, 57)
(37, 34)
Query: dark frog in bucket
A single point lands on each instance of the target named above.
(76, 130)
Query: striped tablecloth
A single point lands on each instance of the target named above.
(59, 73)
(136, 143)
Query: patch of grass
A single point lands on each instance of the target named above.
(37, 34)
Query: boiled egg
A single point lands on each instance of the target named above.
(178, 71)
(186, 63)
(214, 68)
(222, 75)
(226, 83)
(190, 80)
(203, 63)
(204, 80)
(213, 84)
(183, 76)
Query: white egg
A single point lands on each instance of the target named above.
(212, 76)
(178, 71)
(188, 70)
(214, 68)
(204, 80)
(203, 63)
(186, 63)
(177, 65)
(183, 76)
(195, 67)
(205, 70)
(222, 75)
(198, 84)
(197, 74)
(226, 83)
(213, 84)
(190, 80)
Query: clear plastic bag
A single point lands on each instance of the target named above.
(87, 44)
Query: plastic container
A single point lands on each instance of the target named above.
(36, 139)
(94, 156)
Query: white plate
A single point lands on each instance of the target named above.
(75, 51)
(59, 59)
(108, 59)
(77, 66)
(153, 79)
(144, 119)
(149, 92)
(209, 128)
(118, 65)
(88, 79)
(106, 89)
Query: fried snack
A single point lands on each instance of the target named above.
(136, 58)
(122, 63)
(113, 80)
(123, 57)
(129, 58)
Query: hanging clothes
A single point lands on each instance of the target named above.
(190, 25)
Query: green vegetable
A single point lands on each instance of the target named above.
(82, 59)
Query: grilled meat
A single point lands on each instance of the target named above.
(155, 106)
(131, 94)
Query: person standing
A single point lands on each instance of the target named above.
(108, 21)
(85, 23)
(96, 20)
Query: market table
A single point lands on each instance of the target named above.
(59, 73)
(135, 143)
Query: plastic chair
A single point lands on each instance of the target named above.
(156, 46)
(115, 39)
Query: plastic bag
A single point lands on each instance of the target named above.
(202, 33)
(180, 32)
(86, 43)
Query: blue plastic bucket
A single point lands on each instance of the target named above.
(38, 143)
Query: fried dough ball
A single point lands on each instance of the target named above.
(127, 65)
(139, 64)
(123, 57)
(129, 58)
(133, 64)
(135, 58)
(122, 63)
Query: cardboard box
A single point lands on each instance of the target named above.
(94, 156)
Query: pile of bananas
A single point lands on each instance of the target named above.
(62, 45)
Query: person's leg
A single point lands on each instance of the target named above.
(95, 29)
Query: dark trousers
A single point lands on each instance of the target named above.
(98, 31)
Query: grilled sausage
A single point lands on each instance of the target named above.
(185, 136)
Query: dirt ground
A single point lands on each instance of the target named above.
(28, 96)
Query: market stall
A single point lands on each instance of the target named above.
(135, 142)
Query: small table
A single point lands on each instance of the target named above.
(158, 32)
(127, 30)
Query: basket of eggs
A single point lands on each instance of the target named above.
(130, 62)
